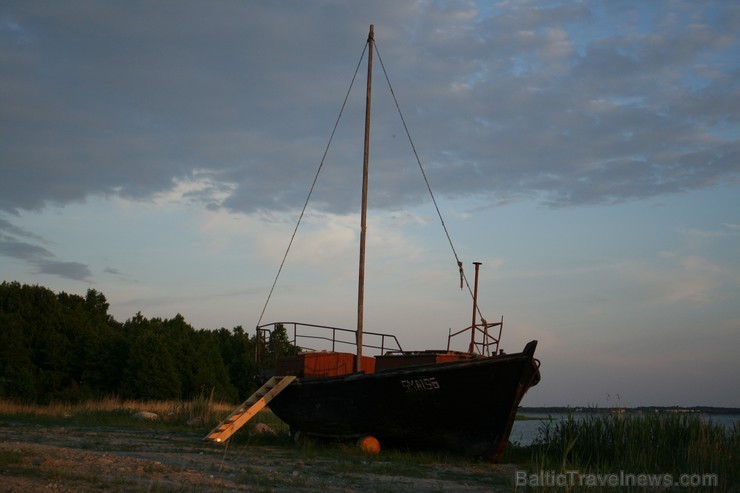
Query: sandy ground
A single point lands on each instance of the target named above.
(80, 458)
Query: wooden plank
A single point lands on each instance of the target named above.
(242, 414)
(233, 427)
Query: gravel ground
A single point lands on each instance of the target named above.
(81, 458)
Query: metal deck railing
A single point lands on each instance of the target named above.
(312, 337)
(489, 341)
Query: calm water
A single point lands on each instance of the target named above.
(524, 432)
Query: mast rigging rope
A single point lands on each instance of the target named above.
(459, 263)
(313, 184)
(426, 180)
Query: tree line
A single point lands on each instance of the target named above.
(66, 347)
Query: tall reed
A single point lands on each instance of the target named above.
(665, 443)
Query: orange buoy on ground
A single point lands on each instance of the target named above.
(369, 445)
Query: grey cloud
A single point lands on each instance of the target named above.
(11, 229)
(21, 250)
(39, 258)
(113, 271)
(69, 270)
(571, 104)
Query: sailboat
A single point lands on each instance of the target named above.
(460, 401)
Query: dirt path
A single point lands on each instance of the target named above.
(81, 459)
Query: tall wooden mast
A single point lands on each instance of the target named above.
(363, 221)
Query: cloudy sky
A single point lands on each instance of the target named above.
(586, 152)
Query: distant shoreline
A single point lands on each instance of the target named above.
(639, 409)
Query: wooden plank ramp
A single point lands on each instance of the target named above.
(248, 409)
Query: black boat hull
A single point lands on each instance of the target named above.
(466, 406)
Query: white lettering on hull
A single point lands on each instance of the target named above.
(420, 384)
